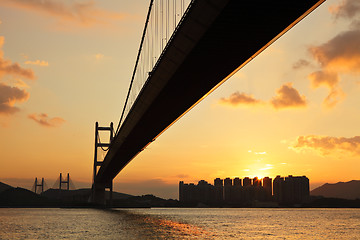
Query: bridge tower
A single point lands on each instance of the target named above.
(98, 189)
(65, 181)
(39, 184)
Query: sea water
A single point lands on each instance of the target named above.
(179, 223)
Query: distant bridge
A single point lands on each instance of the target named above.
(185, 53)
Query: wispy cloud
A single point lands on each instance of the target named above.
(83, 13)
(260, 153)
(181, 176)
(257, 153)
(302, 63)
(267, 167)
(9, 96)
(288, 97)
(238, 98)
(44, 120)
(326, 145)
(330, 80)
(41, 63)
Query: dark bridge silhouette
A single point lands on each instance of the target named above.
(212, 41)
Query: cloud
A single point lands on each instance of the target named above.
(37, 62)
(288, 97)
(267, 167)
(14, 69)
(328, 79)
(9, 96)
(346, 9)
(301, 64)
(340, 55)
(84, 13)
(326, 145)
(257, 153)
(44, 120)
(182, 176)
(20, 83)
(260, 153)
(237, 98)
(355, 24)
(335, 96)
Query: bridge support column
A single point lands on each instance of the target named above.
(99, 188)
(98, 194)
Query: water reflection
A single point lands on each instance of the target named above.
(179, 224)
(158, 227)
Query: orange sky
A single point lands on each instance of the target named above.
(294, 109)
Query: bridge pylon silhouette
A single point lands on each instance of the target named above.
(65, 181)
(98, 188)
(39, 184)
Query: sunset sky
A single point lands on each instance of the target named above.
(293, 110)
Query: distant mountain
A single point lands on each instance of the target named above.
(4, 187)
(145, 201)
(20, 197)
(346, 190)
(78, 195)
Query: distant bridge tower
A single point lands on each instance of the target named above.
(39, 184)
(98, 189)
(66, 181)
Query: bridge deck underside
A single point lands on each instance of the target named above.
(211, 43)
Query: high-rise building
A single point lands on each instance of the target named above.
(227, 182)
(237, 191)
(227, 189)
(237, 181)
(218, 190)
(267, 184)
(285, 190)
(291, 190)
(246, 182)
(204, 192)
(181, 191)
(256, 182)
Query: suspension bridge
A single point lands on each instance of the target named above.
(187, 50)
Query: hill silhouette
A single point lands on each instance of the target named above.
(20, 197)
(345, 190)
(4, 187)
(78, 195)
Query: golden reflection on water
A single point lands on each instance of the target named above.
(160, 226)
(182, 228)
